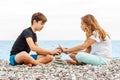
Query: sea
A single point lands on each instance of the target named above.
(6, 45)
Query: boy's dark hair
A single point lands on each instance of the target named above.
(38, 17)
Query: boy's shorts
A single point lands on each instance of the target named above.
(13, 62)
(90, 58)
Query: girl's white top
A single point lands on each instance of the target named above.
(101, 48)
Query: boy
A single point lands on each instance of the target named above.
(27, 41)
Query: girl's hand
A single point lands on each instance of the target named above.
(63, 49)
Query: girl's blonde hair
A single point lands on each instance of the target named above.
(92, 25)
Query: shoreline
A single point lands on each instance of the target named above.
(55, 71)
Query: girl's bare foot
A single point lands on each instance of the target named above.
(75, 62)
(71, 61)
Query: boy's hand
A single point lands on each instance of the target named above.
(56, 51)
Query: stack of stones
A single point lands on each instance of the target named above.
(58, 60)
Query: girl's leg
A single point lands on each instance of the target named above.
(89, 58)
(74, 61)
(24, 58)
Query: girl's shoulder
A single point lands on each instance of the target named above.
(95, 33)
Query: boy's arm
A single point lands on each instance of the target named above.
(36, 44)
(53, 52)
(36, 48)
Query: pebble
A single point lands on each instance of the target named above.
(60, 71)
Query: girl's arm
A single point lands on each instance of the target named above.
(88, 50)
(78, 48)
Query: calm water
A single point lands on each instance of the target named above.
(5, 46)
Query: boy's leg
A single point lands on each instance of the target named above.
(12, 60)
(24, 58)
(45, 59)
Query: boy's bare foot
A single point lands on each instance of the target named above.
(30, 65)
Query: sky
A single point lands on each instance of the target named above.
(64, 17)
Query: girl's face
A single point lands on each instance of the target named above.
(83, 26)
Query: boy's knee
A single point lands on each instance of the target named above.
(49, 57)
(23, 55)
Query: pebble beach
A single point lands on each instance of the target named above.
(60, 71)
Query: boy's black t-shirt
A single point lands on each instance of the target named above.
(21, 43)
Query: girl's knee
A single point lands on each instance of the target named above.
(80, 57)
(73, 56)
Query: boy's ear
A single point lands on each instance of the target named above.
(34, 21)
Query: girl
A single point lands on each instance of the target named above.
(97, 46)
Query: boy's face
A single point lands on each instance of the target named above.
(39, 25)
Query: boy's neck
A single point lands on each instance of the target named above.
(33, 29)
